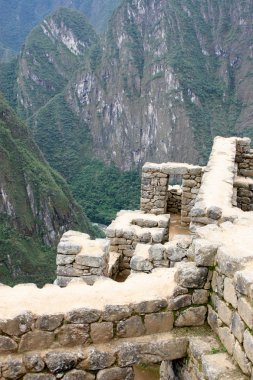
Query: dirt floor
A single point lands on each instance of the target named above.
(175, 226)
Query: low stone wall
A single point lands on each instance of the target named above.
(80, 257)
(244, 157)
(132, 227)
(244, 194)
(174, 199)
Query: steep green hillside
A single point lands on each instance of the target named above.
(17, 18)
(36, 206)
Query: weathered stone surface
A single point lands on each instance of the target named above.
(220, 366)
(14, 368)
(189, 275)
(33, 362)
(166, 371)
(204, 252)
(147, 307)
(245, 310)
(76, 374)
(156, 252)
(224, 312)
(227, 339)
(175, 252)
(17, 326)
(60, 361)
(141, 264)
(83, 315)
(241, 359)
(49, 322)
(101, 332)
(116, 373)
(200, 296)
(193, 316)
(36, 340)
(213, 319)
(68, 248)
(248, 344)
(128, 354)
(214, 212)
(98, 360)
(229, 292)
(159, 322)
(179, 302)
(237, 327)
(116, 312)
(130, 327)
(7, 344)
(73, 335)
(64, 259)
(39, 376)
(244, 281)
(202, 345)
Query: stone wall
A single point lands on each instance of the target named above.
(80, 257)
(133, 227)
(155, 188)
(244, 157)
(244, 193)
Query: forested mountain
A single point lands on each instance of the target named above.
(18, 17)
(36, 206)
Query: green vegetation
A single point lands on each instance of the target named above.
(35, 201)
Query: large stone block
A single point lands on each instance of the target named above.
(227, 339)
(200, 296)
(18, 325)
(7, 345)
(147, 307)
(189, 275)
(98, 360)
(58, 362)
(159, 322)
(116, 373)
(248, 344)
(179, 302)
(101, 332)
(130, 327)
(76, 374)
(39, 376)
(193, 316)
(245, 310)
(36, 340)
(33, 362)
(237, 327)
(224, 312)
(141, 264)
(116, 312)
(14, 368)
(229, 292)
(83, 315)
(73, 335)
(68, 248)
(241, 359)
(204, 252)
(49, 322)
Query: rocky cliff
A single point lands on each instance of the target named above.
(36, 206)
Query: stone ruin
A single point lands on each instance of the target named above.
(186, 299)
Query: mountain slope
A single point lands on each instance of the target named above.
(17, 18)
(36, 206)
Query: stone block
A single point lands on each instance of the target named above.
(83, 315)
(189, 275)
(159, 322)
(227, 339)
(147, 307)
(175, 252)
(33, 362)
(156, 252)
(7, 345)
(73, 335)
(68, 248)
(130, 327)
(116, 373)
(244, 281)
(204, 252)
(76, 374)
(97, 360)
(200, 296)
(116, 312)
(220, 366)
(128, 354)
(179, 302)
(101, 332)
(36, 340)
(229, 292)
(214, 212)
(237, 327)
(224, 312)
(141, 264)
(39, 376)
(193, 316)
(65, 259)
(241, 359)
(248, 344)
(18, 325)
(245, 310)
(49, 322)
(58, 362)
(14, 368)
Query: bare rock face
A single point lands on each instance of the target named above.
(189, 275)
